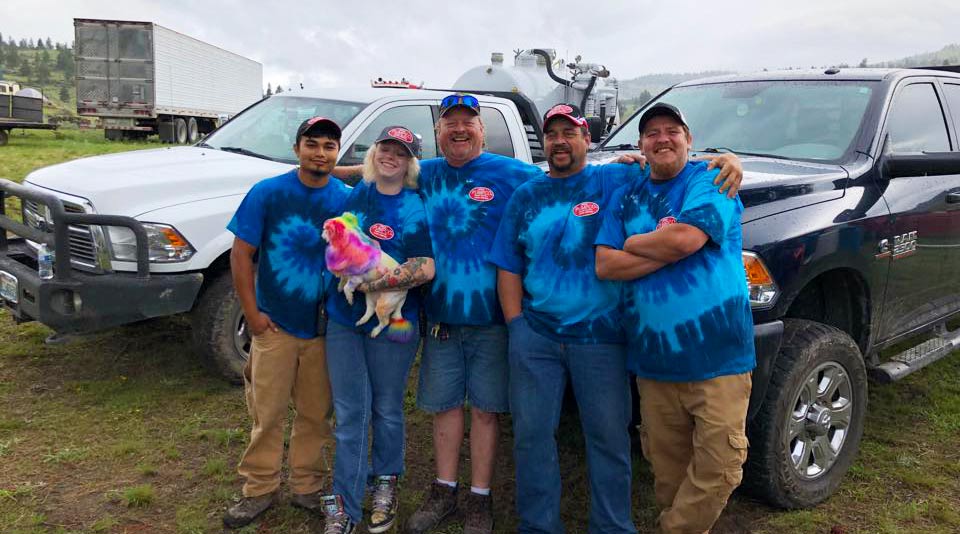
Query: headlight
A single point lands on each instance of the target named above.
(760, 283)
(164, 243)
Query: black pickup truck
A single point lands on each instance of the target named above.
(851, 244)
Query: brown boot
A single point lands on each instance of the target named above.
(439, 504)
(248, 509)
(479, 515)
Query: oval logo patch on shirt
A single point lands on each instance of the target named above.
(586, 209)
(666, 221)
(382, 231)
(481, 194)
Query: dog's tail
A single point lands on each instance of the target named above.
(400, 330)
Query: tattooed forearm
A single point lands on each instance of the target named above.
(414, 272)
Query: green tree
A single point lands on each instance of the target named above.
(40, 43)
(279, 90)
(44, 57)
(863, 63)
(13, 58)
(269, 90)
(30, 44)
(64, 93)
(43, 72)
(26, 69)
(23, 43)
(49, 44)
(644, 97)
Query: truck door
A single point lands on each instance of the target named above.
(918, 244)
(417, 117)
(951, 92)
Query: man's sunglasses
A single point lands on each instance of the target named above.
(459, 100)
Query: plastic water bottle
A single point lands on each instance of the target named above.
(45, 262)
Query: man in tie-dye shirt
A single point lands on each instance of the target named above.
(282, 219)
(677, 246)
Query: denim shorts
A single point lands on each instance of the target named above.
(470, 364)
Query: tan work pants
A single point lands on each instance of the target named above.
(693, 436)
(282, 366)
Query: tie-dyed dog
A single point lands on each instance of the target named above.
(356, 258)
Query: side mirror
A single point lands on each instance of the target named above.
(920, 164)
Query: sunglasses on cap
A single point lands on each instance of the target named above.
(454, 100)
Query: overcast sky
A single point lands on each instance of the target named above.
(324, 44)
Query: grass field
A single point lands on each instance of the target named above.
(126, 432)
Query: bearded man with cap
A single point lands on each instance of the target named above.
(677, 245)
(282, 219)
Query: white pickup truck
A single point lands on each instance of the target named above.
(143, 234)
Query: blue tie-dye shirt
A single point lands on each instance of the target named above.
(284, 219)
(689, 320)
(547, 236)
(399, 224)
(464, 206)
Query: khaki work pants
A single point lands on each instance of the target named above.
(693, 436)
(282, 366)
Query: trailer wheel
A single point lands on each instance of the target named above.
(4, 136)
(220, 331)
(180, 131)
(193, 130)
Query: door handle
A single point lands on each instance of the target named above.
(953, 198)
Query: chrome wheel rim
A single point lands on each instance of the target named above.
(817, 428)
(241, 336)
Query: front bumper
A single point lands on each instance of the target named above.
(766, 341)
(86, 302)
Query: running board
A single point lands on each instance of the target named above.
(918, 357)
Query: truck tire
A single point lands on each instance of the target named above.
(179, 131)
(219, 329)
(193, 130)
(807, 432)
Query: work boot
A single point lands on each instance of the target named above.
(383, 509)
(247, 510)
(439, 504)
(479, 515)
(308, 501)
(337, 520)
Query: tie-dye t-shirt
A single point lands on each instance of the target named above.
(547, 236)
(284, 219)
(464, 206)
(399, 224)
(689, 320)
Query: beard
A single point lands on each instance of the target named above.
(571, 163)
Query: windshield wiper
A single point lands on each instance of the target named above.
(619, 147)
(244, 151)
(723, 149)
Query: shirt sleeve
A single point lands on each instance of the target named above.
(416, 233)
(612, 233)
(248, 222)
(707, 209)
(507, 251)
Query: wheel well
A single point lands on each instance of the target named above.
(212, 272)
(838, 298)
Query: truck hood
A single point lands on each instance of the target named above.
(772, 186)
(132, 183)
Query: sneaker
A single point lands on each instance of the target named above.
(308, 501)
(383, 510)
(479, 515)
(440, 503)
(337, 520)
(247, 510)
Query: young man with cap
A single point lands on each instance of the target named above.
(368, 375)
(282, 218)
(677, 246)
(564, 326)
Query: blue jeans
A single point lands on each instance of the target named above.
(539, 370)
(368, 378)
(470, 364)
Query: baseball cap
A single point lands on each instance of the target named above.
(658, 109)
(318, 125)
(568, 111)
(403, 136)
(459, 99)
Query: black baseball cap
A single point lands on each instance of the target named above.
(568, 111)
(459, 100)
(658, 109)
(401, 135)
(318, 125)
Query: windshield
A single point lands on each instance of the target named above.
(812, 120)
(269, 128)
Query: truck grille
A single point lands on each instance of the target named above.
(83, 246)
